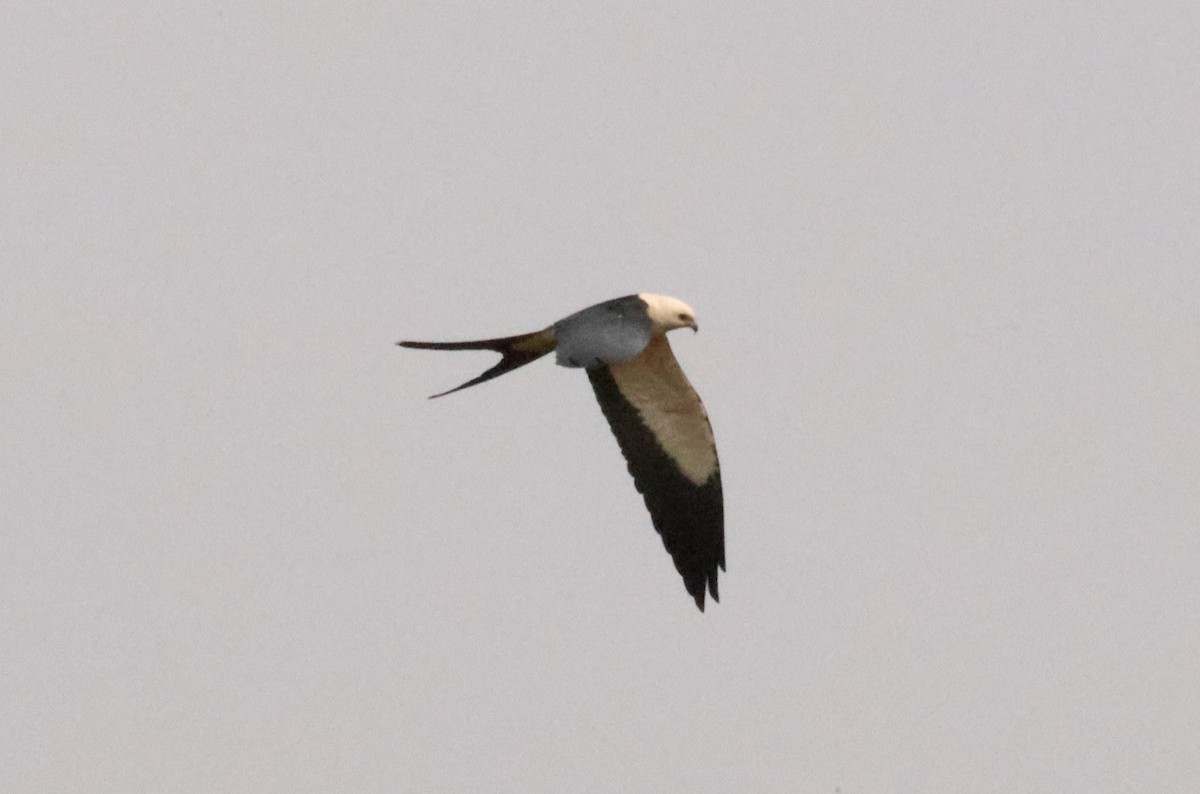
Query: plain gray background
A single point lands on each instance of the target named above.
(945, 263)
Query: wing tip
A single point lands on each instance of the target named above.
(705, 587)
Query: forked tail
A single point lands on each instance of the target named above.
(516, 351)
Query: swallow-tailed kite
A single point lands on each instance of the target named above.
(658, 419)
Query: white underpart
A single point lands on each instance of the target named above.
(655, 385)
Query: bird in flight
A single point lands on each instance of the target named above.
(660, 424)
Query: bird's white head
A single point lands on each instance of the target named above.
(668, 313)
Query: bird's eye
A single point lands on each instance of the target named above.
(683, 318)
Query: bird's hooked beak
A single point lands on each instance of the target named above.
(694, 326)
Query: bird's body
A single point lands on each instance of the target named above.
(612, 332)
(657, 417)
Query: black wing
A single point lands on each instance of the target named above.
(665, 436)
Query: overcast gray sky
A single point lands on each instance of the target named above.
(945, 262)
